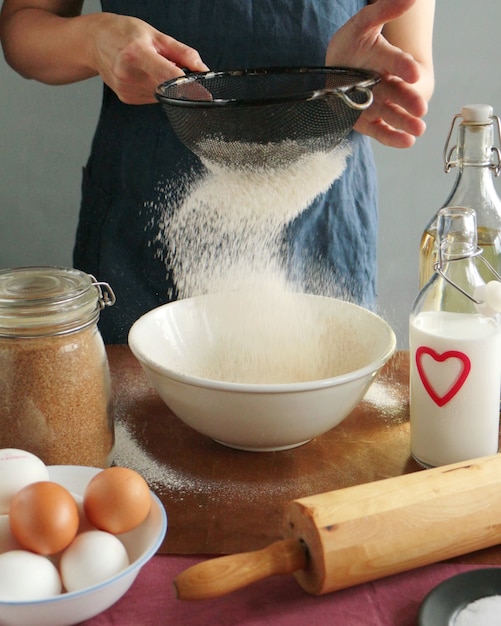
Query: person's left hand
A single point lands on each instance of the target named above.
(394, 118)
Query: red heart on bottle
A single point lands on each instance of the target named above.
(456, 385)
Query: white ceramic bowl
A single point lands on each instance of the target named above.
(75, 607)
(250, 374)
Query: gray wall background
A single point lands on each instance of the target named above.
(45, 135)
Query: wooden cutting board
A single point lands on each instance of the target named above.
(220, 500)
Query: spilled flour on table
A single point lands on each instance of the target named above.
(389, 400)
(163, 478)
(130, 453)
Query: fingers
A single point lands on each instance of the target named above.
(384, 134)
(401, 94)
(389, 60)
(145, 63)
(359, 43)
(394, 118)
(394, 127)
(179, 53)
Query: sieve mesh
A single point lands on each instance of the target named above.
(265, 116)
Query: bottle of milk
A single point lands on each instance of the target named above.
(455, 351)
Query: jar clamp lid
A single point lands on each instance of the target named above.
(37, 301)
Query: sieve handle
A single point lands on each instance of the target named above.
(357, 105)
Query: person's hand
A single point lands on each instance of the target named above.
(133, 58)
(394, 118)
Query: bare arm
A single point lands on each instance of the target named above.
(50, 41)
(394, 38)
(413, 33)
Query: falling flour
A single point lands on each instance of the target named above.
(166, 477)
(225, 233)
(225, 236)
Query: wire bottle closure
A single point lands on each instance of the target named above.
(438, 267)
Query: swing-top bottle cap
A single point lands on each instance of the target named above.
(477, 113)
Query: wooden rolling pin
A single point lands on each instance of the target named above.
(350, 536)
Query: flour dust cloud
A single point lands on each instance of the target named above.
(224, 235)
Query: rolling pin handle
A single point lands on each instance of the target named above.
(219, 576)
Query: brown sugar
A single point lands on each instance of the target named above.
(55, 388)
(56, 394)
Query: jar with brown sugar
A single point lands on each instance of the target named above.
(55, 390)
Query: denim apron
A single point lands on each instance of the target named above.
(134, 149)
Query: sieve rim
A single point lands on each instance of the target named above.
(367, 80)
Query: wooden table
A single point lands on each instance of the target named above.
(220, 500)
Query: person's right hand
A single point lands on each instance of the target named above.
(133, 58)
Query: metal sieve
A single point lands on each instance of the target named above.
(266, 116)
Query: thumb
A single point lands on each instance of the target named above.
(179, 53)
(366, 27)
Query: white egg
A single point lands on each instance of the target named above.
(27, 576)
(18, 468)
(7, 541)
(93, 556)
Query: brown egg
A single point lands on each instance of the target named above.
(43, 517)
(117, 500)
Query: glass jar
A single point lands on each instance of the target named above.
(55, 384)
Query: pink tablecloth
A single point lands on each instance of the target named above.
(279, 601)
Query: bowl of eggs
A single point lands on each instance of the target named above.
(72, 538)
(262, 370)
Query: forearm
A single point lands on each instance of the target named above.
(413, 33)
(50, 40)
(51, 48)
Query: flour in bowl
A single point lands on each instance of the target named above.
(269, 335)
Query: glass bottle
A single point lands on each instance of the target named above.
(55, 384)
(455, 352)
(477, 160)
